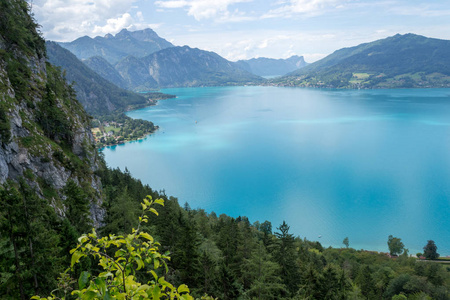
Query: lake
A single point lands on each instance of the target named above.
(361, 164)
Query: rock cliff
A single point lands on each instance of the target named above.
(45, 139)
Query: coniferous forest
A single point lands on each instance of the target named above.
(145, 244)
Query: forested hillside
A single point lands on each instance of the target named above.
(97, 95)
(400, 61)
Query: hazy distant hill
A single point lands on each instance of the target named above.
(97, 95)
(270, 67)
(114, 48)
(399, 61)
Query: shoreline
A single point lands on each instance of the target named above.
(94, 130)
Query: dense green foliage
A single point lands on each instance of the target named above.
(19, 29)
(399, 61)
(5, 127)
(395, 245)
(430, 250)
(120, 258)
(30, 239)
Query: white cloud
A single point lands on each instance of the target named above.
(140, 16)
(172, 4)
(424, 10)
(303, 7)
(65, 20)
(114, 25)
(205, 9)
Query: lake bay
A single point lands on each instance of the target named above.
(361, 164)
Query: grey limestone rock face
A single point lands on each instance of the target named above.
(30, 155)
(4, 172)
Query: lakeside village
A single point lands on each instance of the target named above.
(118, 128)
(110, 133)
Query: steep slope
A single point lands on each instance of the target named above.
(45, 131)
(97, 95)
(180, 67)
(271, 67)
(49, 190)
(114, 48)
(103, 68)
(399, 61)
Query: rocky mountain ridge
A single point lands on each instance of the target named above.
(114, 48)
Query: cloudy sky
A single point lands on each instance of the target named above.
(243, 29)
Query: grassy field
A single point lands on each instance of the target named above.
(359, 77)
(112, 128)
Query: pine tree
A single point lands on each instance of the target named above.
(31, 241)
(263, 275)
(286, 257)
(77, 208)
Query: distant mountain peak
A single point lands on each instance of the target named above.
(146, 34)
(123, 33)
(138, 43)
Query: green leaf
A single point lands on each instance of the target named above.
(83, 279)
(183, 289)
(156, 292)
(101, 284)
(147, 236)
(106, 274)
(139, 262)
(154, 274)
(159, 201)
(89, 295)
(107, 296)
(154, 211)
(76, 257)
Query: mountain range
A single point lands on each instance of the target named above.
(400, 61)
(142, 61)
(96, 94)
(113, 48)
(263, 66)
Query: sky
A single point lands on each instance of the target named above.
(244, 29)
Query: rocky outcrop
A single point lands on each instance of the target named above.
(46, 159)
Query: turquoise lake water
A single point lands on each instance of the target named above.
(332, 163)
